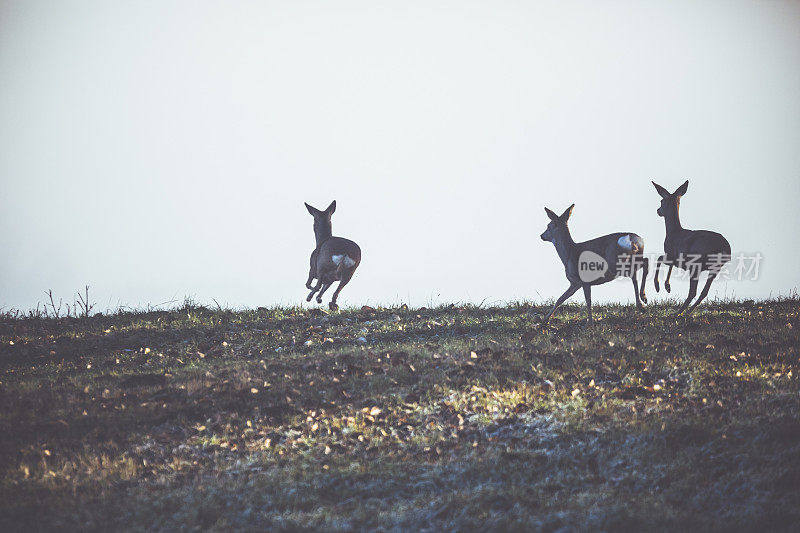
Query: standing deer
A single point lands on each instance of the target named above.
(691, 250)
(334, 258)
(596, 261)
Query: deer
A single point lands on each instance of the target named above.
(690, 250)
(333, 259)
(596, 261)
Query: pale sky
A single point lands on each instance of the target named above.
(155, 150)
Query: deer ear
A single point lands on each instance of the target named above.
(661, 190)
(566, 214)
(331, 208)
(550, 214)
(311, 210)
(680, 191)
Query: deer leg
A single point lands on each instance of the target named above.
(569, 292)
(704, 292)
(587, 293)
(344, 281)
(692, 292)
(636, 291)
(313, 290)
(655, 272)
(645, 268)
(310, 278)
(312, 271)
(666, 281)
(325, 287)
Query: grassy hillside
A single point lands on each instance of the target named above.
(454, 417)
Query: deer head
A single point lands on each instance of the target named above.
(322, 221)
(670, 202)
(557, 228)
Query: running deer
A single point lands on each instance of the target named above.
(690, 250)
(334, 258)
(595, 262)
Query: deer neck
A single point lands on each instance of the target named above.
(322, 232)
(672, 219)
(564, 246)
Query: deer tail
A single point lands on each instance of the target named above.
(343, 262)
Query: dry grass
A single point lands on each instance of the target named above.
(447, 418)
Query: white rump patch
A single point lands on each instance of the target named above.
(625, 242)
(344, 258)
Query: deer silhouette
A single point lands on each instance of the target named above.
(333, 259)
(690, 250)
(596, 261)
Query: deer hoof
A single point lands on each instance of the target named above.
(319, 300)
(643, 297)
(332, 306)
(308, 299)
(666, 287)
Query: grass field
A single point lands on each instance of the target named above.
(415, 419)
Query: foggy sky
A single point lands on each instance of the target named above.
(155, 150)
